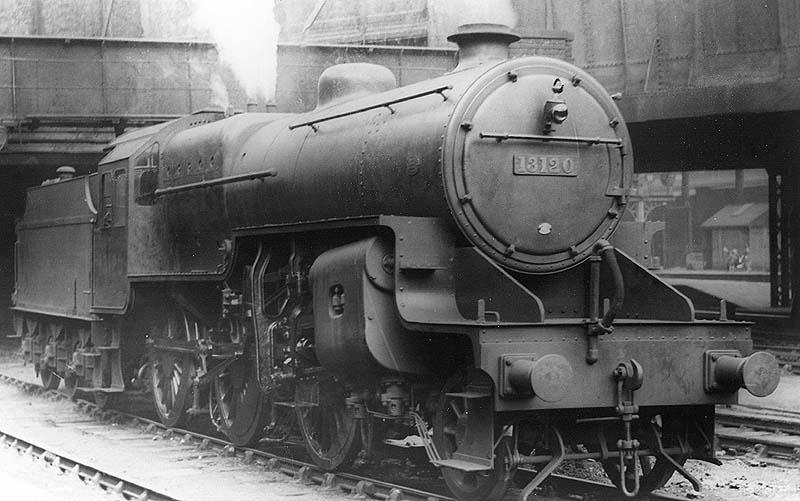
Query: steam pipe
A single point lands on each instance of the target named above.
(606, 251)
(597, 326)
(592, 351)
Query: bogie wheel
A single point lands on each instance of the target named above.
(449, 433)
(329, 428)
(654, 472)
(237, 404)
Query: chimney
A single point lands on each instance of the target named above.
(481, 43)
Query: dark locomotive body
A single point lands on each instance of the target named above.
(428, 257)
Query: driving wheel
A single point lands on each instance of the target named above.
(172, 371)
(171, 383)
(237, 403)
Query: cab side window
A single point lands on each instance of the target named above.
(145, 174)
(114, 198)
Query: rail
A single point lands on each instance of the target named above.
(112, 484)
(772, 434)
(357, 486)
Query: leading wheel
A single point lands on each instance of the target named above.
(329, 428)
(237, 404)
(449, 432)
(654, 473)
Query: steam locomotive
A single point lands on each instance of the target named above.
(429, 260)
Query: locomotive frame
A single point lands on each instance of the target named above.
(431, 259)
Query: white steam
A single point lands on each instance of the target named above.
(219, 92)
(246, 36)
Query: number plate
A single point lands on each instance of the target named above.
(545, 165)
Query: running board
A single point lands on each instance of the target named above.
(461, 465)
(469, 395)
(433, 454)
(90, 389)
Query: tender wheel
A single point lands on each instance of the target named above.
(330, 430)
(171, 382)
(70, 385)
(50, 379)
(237, 404)
(448, 433)
(105, 400)
(655, 472)
(77, 340)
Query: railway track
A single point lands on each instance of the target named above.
(771, 434)
(302, 472)
(775, 334)
(349, 484)
(788, 354)
(113, 484)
